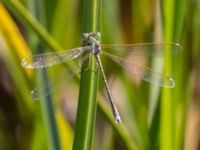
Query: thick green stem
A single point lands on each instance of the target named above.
(86, 114)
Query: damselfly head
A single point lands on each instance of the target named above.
(95, 35)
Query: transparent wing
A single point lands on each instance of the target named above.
(50, 59)
(143, 73)
(50, 86)
(143, 49)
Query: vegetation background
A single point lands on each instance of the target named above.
(153, 117)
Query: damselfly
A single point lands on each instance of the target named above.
(92, 42)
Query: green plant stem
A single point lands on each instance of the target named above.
(167, 133)
(46, 102)
(86, 114)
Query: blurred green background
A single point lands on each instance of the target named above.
(154, 118)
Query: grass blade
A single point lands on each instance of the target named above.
(24, 15)
(46, 102)
(86, 114)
